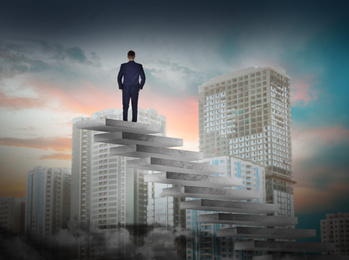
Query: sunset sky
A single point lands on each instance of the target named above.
(59, 60)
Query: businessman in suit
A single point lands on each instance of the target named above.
(128, 80)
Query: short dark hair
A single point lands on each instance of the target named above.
(131, 54)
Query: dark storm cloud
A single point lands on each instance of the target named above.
(77, 54)
(14, 59)
(19, 56)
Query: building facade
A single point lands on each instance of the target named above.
(12, 215)
(335, 229)
(106, 194)
(204, 244)
(47, 200)
(247, 114)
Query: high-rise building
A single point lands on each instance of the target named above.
(335, 229)
(204, 243)
(247, 114)
(106, 194)
(47, 200)
(12, 215)
(81, 167)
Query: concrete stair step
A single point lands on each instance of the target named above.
(143, 151)
(229, 206)
(306, 247)
(113, 125)
(209, 193)
(257, 232)
(127, 138)
(248, 219)
(160, 164)
(188, 179)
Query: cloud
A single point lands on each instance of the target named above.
(84, 97)
(181, 114)
(37, 74)
(161, 241)
(308, 199)
(56, 156)
(320, 156)
(76, 54)
(321, 176)
(172, 78)
(16, 60)
(307, 142)
(18, 103)
(31, 57)
(320, 166)
(52, 143)
(303, 91)
(120, 241)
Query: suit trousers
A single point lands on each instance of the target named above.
(127, 94)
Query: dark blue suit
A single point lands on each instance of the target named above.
(131, 72)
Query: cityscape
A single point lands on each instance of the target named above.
(245, 126)
(269, 117)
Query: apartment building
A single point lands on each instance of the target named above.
(47, 200)
(247, 114)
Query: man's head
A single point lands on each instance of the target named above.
(131, 55)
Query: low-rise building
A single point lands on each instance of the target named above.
(335, 229)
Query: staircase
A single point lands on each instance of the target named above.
(250, 220)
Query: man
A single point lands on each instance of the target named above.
(130, 86)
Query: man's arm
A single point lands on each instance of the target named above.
(142, 78)
(120, 75)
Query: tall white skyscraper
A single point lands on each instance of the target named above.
(204, 243)
(247, 114)
(47, 200)
(106, 194)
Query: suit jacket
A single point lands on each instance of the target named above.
(131, 71)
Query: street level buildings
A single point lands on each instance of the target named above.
(47, 201)
(335, 229)
(247, 114)
(12, 215)
(164, 211)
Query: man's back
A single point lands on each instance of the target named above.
(131, 71)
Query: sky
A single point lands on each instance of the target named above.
(59, 60)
